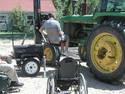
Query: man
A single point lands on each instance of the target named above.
(55, 35)
(9, 70)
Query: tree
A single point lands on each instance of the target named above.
(92, 5)
(64, 7)
(18, 20)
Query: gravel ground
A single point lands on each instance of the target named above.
(38, 84)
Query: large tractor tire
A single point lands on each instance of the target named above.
(106, 53)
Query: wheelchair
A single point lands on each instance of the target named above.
(67, 79)
(4, 83)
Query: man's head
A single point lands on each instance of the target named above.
(50, 15)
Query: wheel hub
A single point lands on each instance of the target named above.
(102, 53)
(31, 67)
(106, 53)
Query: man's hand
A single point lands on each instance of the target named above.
(2, 61)
(61, 33)
(8, 59)
(3, 57)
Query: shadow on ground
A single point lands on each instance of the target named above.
(97, 84)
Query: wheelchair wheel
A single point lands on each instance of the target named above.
(31, 67)
(82, 85)
(50, 86)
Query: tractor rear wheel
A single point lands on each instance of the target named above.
(52, 53)
(105, 53)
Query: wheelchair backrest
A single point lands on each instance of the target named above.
(68, 68)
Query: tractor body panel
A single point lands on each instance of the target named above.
(77, 27)
(86, 19)
(27, 51)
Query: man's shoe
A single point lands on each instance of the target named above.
(16, 84)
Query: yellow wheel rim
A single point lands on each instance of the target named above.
(106, 52)
(48, 53)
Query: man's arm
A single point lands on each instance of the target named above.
(61, 33)
(42, 30)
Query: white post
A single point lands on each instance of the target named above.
(44, 62)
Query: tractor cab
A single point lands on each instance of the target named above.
(111, 6)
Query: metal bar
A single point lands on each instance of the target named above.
(44, 62)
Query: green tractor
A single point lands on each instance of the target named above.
(100, 38)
